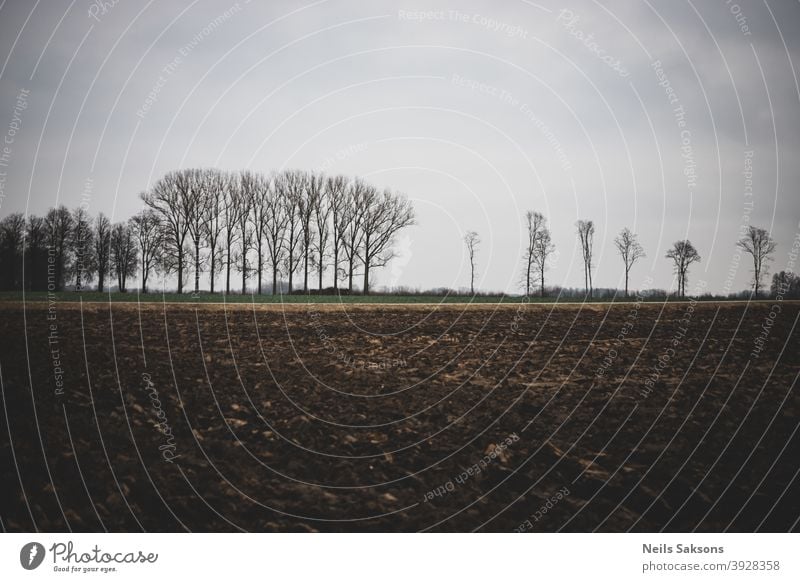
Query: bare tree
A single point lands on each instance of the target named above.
(534, 223)
(35, 254)
(322, 212)
(586, 236)
(244, 225)
(259, 191)
(472, 240)
(82, 243)
(233, 207)
(353, 234)
(123, 254)
(102, 248)
(683, 255)
(542, 249)
(276, 227)
(147, 234)
(291, 189)
(785, 284)
(12, 243)
(217, 184)
(336, 194)
(758, 244)
(195, 210)
(630, 250)
(58, 225)
(170, 197)
(386, 214)
(312, 189)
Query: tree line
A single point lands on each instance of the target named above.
(539, 248)
(210, 222)
(283, 226)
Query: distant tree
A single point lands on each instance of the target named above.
(758, 244)
(216, 187)
(195, 208)
(291, 186)
(276, 227)
(233, 208)
(58, 226)
(472, 240)
(259, 192)
(683, 255)
(170, 197)
(102, 249)
(542, 249)
(354, 213)
(12, 240)
(386, 214)
(82, 243)
(336, 194)
(534, 223)
(586, 237)
(35, 254)
(785, 284)
(123, 254)
(244, 225)
(148, 237)
(322, 213)
(630, 250)
(312, 189)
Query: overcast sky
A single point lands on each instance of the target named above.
(640, 114)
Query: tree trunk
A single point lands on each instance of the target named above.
(260, 267)
(274, 279)
(472, 278)
(197, 266)
(291, 272)
(335, 269)
(228, 272)
(350, 284)
(528, 279)
(626, 283)
(180, 271)
(305, 270)
(244, 274)
(366, 276)
(320, 270)
(213, 266)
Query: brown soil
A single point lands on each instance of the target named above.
(400, 418)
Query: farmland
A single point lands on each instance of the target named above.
(354, 417)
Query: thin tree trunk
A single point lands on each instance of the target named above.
(213, 267)
(197, 266)
(320, 270)
(180, 271)
(228, 272)
(335, 270)
(350, 284)
(305, 271)
(260, 267)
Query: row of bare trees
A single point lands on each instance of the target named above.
(207, 222)
(43, 253)
(539, 248)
